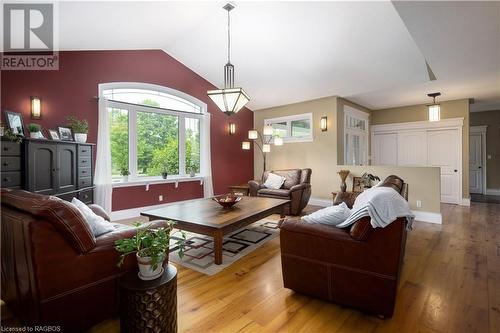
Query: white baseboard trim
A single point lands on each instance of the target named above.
(320, 202)
(492, 191)
(465, 201)
(134, 212)
(428, 217)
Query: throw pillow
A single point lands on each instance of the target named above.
(274, 181)
(97, 223)
(332, 215)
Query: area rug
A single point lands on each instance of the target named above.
(199, 250)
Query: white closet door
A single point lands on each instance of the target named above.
(385, 149)
(442, 151)
(412, 148)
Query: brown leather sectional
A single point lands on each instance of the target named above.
(358, 266)
(54, 271)
(296, 188)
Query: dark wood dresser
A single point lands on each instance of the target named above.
(60, 168)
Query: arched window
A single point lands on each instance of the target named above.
(154, 130)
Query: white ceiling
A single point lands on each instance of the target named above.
(370, 52)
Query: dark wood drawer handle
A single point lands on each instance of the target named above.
(6, 179)
(5, 163)
(5, 148)
(83, 171)
(84, 161)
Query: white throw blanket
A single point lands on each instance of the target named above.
(383, 204)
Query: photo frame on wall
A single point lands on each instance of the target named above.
(65, 133)
(357, 184)
(53, 135)
(15, 122)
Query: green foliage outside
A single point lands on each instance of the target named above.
(157, 143)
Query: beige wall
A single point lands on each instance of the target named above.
(321, 155)
(492, 120)
(449, 109)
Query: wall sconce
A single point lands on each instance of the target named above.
(434, 108)
(36, 107)
(245, 145)
(232, 128)
(253, 134)
(324, 124)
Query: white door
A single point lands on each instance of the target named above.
(385, 149)
(443, 152)
(475, 163)
(412, 148)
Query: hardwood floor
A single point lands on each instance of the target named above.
(450, 283)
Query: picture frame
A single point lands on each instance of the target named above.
(65, 133)
(357, 184)
(15, 122)
(53, 135)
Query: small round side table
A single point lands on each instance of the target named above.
(149, 306)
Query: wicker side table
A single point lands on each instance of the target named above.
(149, 306)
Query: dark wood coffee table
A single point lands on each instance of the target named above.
(206, 217)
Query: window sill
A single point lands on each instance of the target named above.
(157, 180)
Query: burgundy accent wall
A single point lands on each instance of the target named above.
(71, 91)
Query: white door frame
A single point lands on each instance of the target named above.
(481, 130)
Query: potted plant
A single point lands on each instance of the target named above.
(164, 173)
(151, 249)
(192, 173)
(368, 178)
(125, 173)
(80, 128)
(34, 130)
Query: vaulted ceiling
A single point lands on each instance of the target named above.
(373, 53)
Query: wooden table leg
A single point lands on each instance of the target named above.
(218, 237)
(282, 213)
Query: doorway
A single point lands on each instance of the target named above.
(477, 160)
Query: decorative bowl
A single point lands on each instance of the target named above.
(227, 200)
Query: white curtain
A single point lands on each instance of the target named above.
(208, 188)
(102, 179)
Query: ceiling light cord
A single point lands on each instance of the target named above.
(228, 38)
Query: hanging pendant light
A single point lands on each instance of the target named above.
(434, 108)
(229, 100)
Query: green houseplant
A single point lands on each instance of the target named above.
(368, 178)
(151, 248)
(35, 131)
(80, 128)
(125, 173)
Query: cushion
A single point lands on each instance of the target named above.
(292, 177)
(276, 193)
(332, 215)
(65, 217)
(274, 181)
(96, 223)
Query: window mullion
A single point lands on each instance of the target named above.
(182, 146)
(132, 143)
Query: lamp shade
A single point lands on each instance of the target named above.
(268, 130)
(36, 107)
(278, 141)
(324, 124)
(232, 128)
(266, 148)
(434, 112)
(245, 145)
(253, 134)
(230, 100)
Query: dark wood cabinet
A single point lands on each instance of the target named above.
(59, 168)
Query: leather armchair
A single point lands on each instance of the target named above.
(54, 271)
(296, 188)
(358, 266)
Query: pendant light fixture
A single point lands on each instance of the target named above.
(434, 108)
(229, 100)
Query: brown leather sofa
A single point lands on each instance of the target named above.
(296, 188)
(54, 271)
(358, 266)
